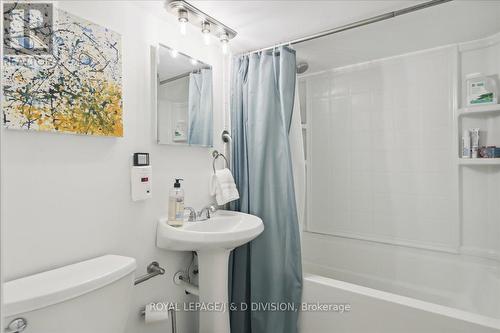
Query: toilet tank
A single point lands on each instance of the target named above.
(92, 296)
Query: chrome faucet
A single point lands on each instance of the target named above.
(192, 214)
(210, 209)
(202, 215)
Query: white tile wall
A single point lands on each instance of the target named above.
(381, 151)
(467, 283)
(385, 170)
(481, 184)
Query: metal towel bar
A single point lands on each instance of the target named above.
(153, 270)
(17, 325)
(226, 137)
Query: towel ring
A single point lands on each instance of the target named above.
(216, 155)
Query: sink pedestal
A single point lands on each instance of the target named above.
(213, 288)
(213, 240)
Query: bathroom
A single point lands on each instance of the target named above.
(250, 166)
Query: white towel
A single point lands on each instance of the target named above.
(223, 187)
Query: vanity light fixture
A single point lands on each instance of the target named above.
(183, 20)
(185, 12)
(205, 30)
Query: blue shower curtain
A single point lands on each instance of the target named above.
(268, 270)
(200, 108)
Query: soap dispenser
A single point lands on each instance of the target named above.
(176, 205)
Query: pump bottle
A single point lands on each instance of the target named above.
(176, 205)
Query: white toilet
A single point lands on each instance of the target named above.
(92, 296)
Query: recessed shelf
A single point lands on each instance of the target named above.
(479, 109)
(479, 161)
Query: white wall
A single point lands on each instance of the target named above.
(381, 151)
(67, 197)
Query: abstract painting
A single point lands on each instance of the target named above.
(76, 88)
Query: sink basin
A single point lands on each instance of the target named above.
(213, 241)
(224, 230)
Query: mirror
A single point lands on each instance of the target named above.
(183, 99)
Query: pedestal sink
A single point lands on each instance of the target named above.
(213, 240)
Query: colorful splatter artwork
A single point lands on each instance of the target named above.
(75, 89)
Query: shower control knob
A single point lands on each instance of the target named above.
(16, 326)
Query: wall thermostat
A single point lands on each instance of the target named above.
(141, 159)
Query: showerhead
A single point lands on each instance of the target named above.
(302, 67)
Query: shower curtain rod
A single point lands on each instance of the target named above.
(177, 77)
(180, 76)
(356, 24)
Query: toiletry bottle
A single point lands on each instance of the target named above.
(176, 205)
(466, 151)
(474, 135)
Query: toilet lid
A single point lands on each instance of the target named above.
(43, 289)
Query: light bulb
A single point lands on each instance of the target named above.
(224, 39)
(205, 30)
(174, 53)
(183, 20)
(182, 27)
(206, 38)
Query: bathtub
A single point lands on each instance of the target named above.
(373, 311)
